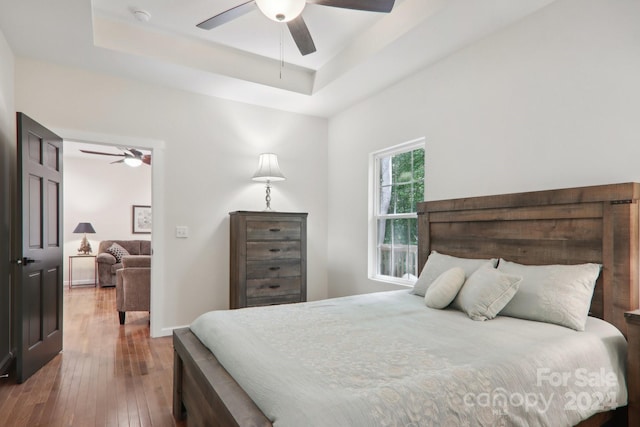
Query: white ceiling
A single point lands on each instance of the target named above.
(330, 27)
(358, 53)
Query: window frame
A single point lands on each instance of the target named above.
(374, 208)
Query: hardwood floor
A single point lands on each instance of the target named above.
(107, 374)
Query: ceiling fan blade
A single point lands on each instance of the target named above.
(146, 159)
(384, 6)
(118, 161)
(301, 35)
(101, 153)
(227, 15)
(136, 153)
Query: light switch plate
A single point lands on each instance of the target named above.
(182, 231)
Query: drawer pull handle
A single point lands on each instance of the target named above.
(274, 268)
(274, 250)
(274, 286)
(274, 230)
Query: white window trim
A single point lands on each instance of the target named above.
(374, 173)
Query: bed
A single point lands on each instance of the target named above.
(570, 226)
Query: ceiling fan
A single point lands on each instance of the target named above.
(130, 156)
(290, 11)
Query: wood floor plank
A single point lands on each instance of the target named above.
(107, 374)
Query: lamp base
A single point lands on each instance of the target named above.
(85, 246)
(268, 197)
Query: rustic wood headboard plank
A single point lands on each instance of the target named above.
(600, 193)
(524, 251)
(552, 229)
(624, 223)
(597, 224)
(587, 210)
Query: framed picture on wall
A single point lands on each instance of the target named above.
(141, 219)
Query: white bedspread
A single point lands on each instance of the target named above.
(385, 359)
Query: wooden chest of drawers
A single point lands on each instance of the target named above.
(268, 258)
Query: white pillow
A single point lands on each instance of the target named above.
(486, 292)
(559, 294)
(445, 288)
(438, 263)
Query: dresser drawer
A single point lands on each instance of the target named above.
(273, 250)
(280, 299)
(273, 230)
(261, 288)
(274, 268)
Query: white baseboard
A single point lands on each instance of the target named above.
(165, 332)
(80, 282)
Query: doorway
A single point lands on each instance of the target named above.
(156, 149)
(100, 193)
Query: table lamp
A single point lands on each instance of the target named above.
(268, 170)
(84, 227)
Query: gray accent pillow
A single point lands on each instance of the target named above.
(118, 252)
(438, 263)
(559, 294)
(486, 292)
(445, 288)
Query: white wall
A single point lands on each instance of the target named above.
(7, 134)
(7, 139)
(7, 152)
(550, 102)
(7, 110)
(103, 194)
(211, 152)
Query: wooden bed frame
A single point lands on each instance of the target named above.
(590, 224)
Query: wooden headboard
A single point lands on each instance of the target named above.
(589, 224)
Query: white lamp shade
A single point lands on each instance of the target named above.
(281, 10)
(268, 169)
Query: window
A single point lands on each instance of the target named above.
(397, 187)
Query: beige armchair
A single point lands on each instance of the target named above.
(133, 285)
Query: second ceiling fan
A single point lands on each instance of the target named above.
(290, 11)
(130, 156)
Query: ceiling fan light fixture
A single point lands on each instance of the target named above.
(134, 162)
(281, 10)
(141, 15)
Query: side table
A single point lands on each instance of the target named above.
(95, 269)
